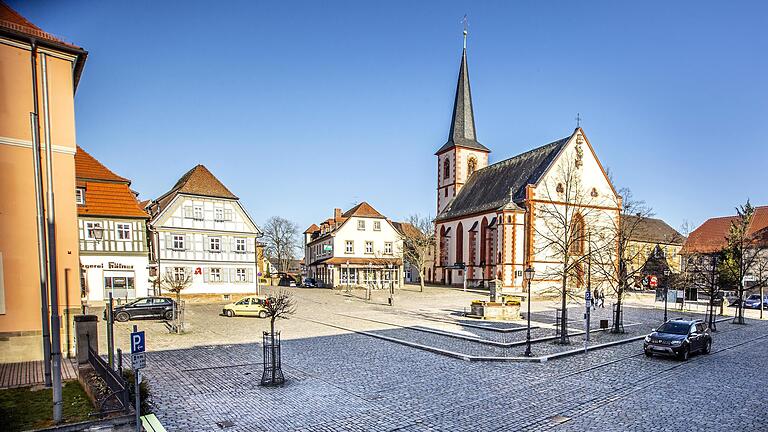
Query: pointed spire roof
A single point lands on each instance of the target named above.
(463, 132)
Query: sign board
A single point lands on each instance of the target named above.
(330, 266)
(587, 295)
(138, 361)
(137, 342)
(654, 282)
(327, 248)
(749, 278)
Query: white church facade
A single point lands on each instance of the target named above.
(542, 208)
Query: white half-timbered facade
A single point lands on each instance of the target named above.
(200, 228)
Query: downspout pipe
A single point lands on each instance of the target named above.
(34, 119)
(52, 258)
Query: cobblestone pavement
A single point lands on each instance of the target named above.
(207, 380)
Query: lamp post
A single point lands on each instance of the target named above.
(529, 273)
(666, 292)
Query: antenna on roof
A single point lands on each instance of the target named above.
(465, 21)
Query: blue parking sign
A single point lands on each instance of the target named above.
(137, 342)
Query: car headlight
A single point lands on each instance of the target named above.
(648, 338)
(676, 342)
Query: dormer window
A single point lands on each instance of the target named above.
(80, 196)
(361, 225)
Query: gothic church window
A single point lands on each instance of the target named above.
(471, 166)
(446, 168)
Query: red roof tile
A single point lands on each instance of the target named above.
(364, 210)
(712, 235)
(88, 168)
(12, 20)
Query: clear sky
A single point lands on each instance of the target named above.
(300, 107)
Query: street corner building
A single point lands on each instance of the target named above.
(359, 247)
(495, 220)
(40, 74)
(113, 233)
(200, 227)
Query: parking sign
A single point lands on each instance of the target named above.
(137, 342)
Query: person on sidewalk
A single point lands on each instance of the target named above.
(602, 299)
(595, 297)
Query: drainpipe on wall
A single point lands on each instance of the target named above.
(41, 240)
(52, 264)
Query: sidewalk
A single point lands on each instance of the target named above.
(30, 373)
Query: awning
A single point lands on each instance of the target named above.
(373, 261)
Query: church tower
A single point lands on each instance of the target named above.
(461, 155)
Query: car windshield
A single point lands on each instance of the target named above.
(754, 297)
(675, 327)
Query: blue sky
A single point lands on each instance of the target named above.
(299, 107)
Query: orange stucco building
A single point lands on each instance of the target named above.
(20, 305)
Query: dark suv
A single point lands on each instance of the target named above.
(679, 338)
(144, 307)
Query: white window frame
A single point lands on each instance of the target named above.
(90, 225)
(377, 225)
(361, 225)
(125, 228)
(178, 242)
(179, 273)
(198, 213)
(241, 275)
(241, 245)
(368, 246)
(388, 248)
(218, 214)
(214, 241)
(214, 274)
(80, 196)
(349, 246)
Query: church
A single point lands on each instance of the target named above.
(545, 208)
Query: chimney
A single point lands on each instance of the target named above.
(336, 214)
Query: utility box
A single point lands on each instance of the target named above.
(86, 330)
(604, 324)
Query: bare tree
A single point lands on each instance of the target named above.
(563, 235)
(743, 254)
(418, 243)
(279, 306)
(178, 282)
(619, 266)
(281, 237)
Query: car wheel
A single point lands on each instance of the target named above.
(685, 354)
(648, 353)
(708, 347)
(263, 314)
(230, 313)
(122, 317)
(168, 315)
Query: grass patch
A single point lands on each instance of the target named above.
(24, 408)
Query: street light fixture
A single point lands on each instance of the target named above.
(97, 232)
(529, 273)
(666, 292)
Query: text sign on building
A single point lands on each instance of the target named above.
(327, 248)
(137, 342)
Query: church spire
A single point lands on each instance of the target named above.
(462, 131)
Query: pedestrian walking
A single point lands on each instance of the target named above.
(594, 298)
(602, 299)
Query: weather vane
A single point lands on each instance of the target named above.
(465, 21)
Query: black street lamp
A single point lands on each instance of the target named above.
(529, 273)
(666, 292)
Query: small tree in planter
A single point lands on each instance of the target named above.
(176, 282)
(280, 306)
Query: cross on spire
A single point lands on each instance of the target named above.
(578, 120)
(465, 21)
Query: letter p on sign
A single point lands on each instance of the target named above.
(137, 342)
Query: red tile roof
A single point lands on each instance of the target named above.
(363, 210)
(312, 228)
(712, 235)
(197, 181)
(88, 168)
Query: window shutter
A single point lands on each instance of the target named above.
(168, 241)
(232, 275)
(206, 243)
(228, 214)
(188, 239)
(250, 275)
(188, 212)
(249, 245)
(206, 276)
(224, 275)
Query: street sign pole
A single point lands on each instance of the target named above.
(587, 298)
(138, 362)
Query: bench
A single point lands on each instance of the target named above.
(151, 423)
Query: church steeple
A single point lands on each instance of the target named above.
(462, 131)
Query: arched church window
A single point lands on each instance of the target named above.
(577, 235)
(460, 243)
(471, 166)
(446, 168)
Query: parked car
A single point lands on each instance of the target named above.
(679, 338)
(248, 306)
(753, 302)
(144, 307)
(309, 283)
(287, 281)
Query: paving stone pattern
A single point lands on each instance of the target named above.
(343, 381)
